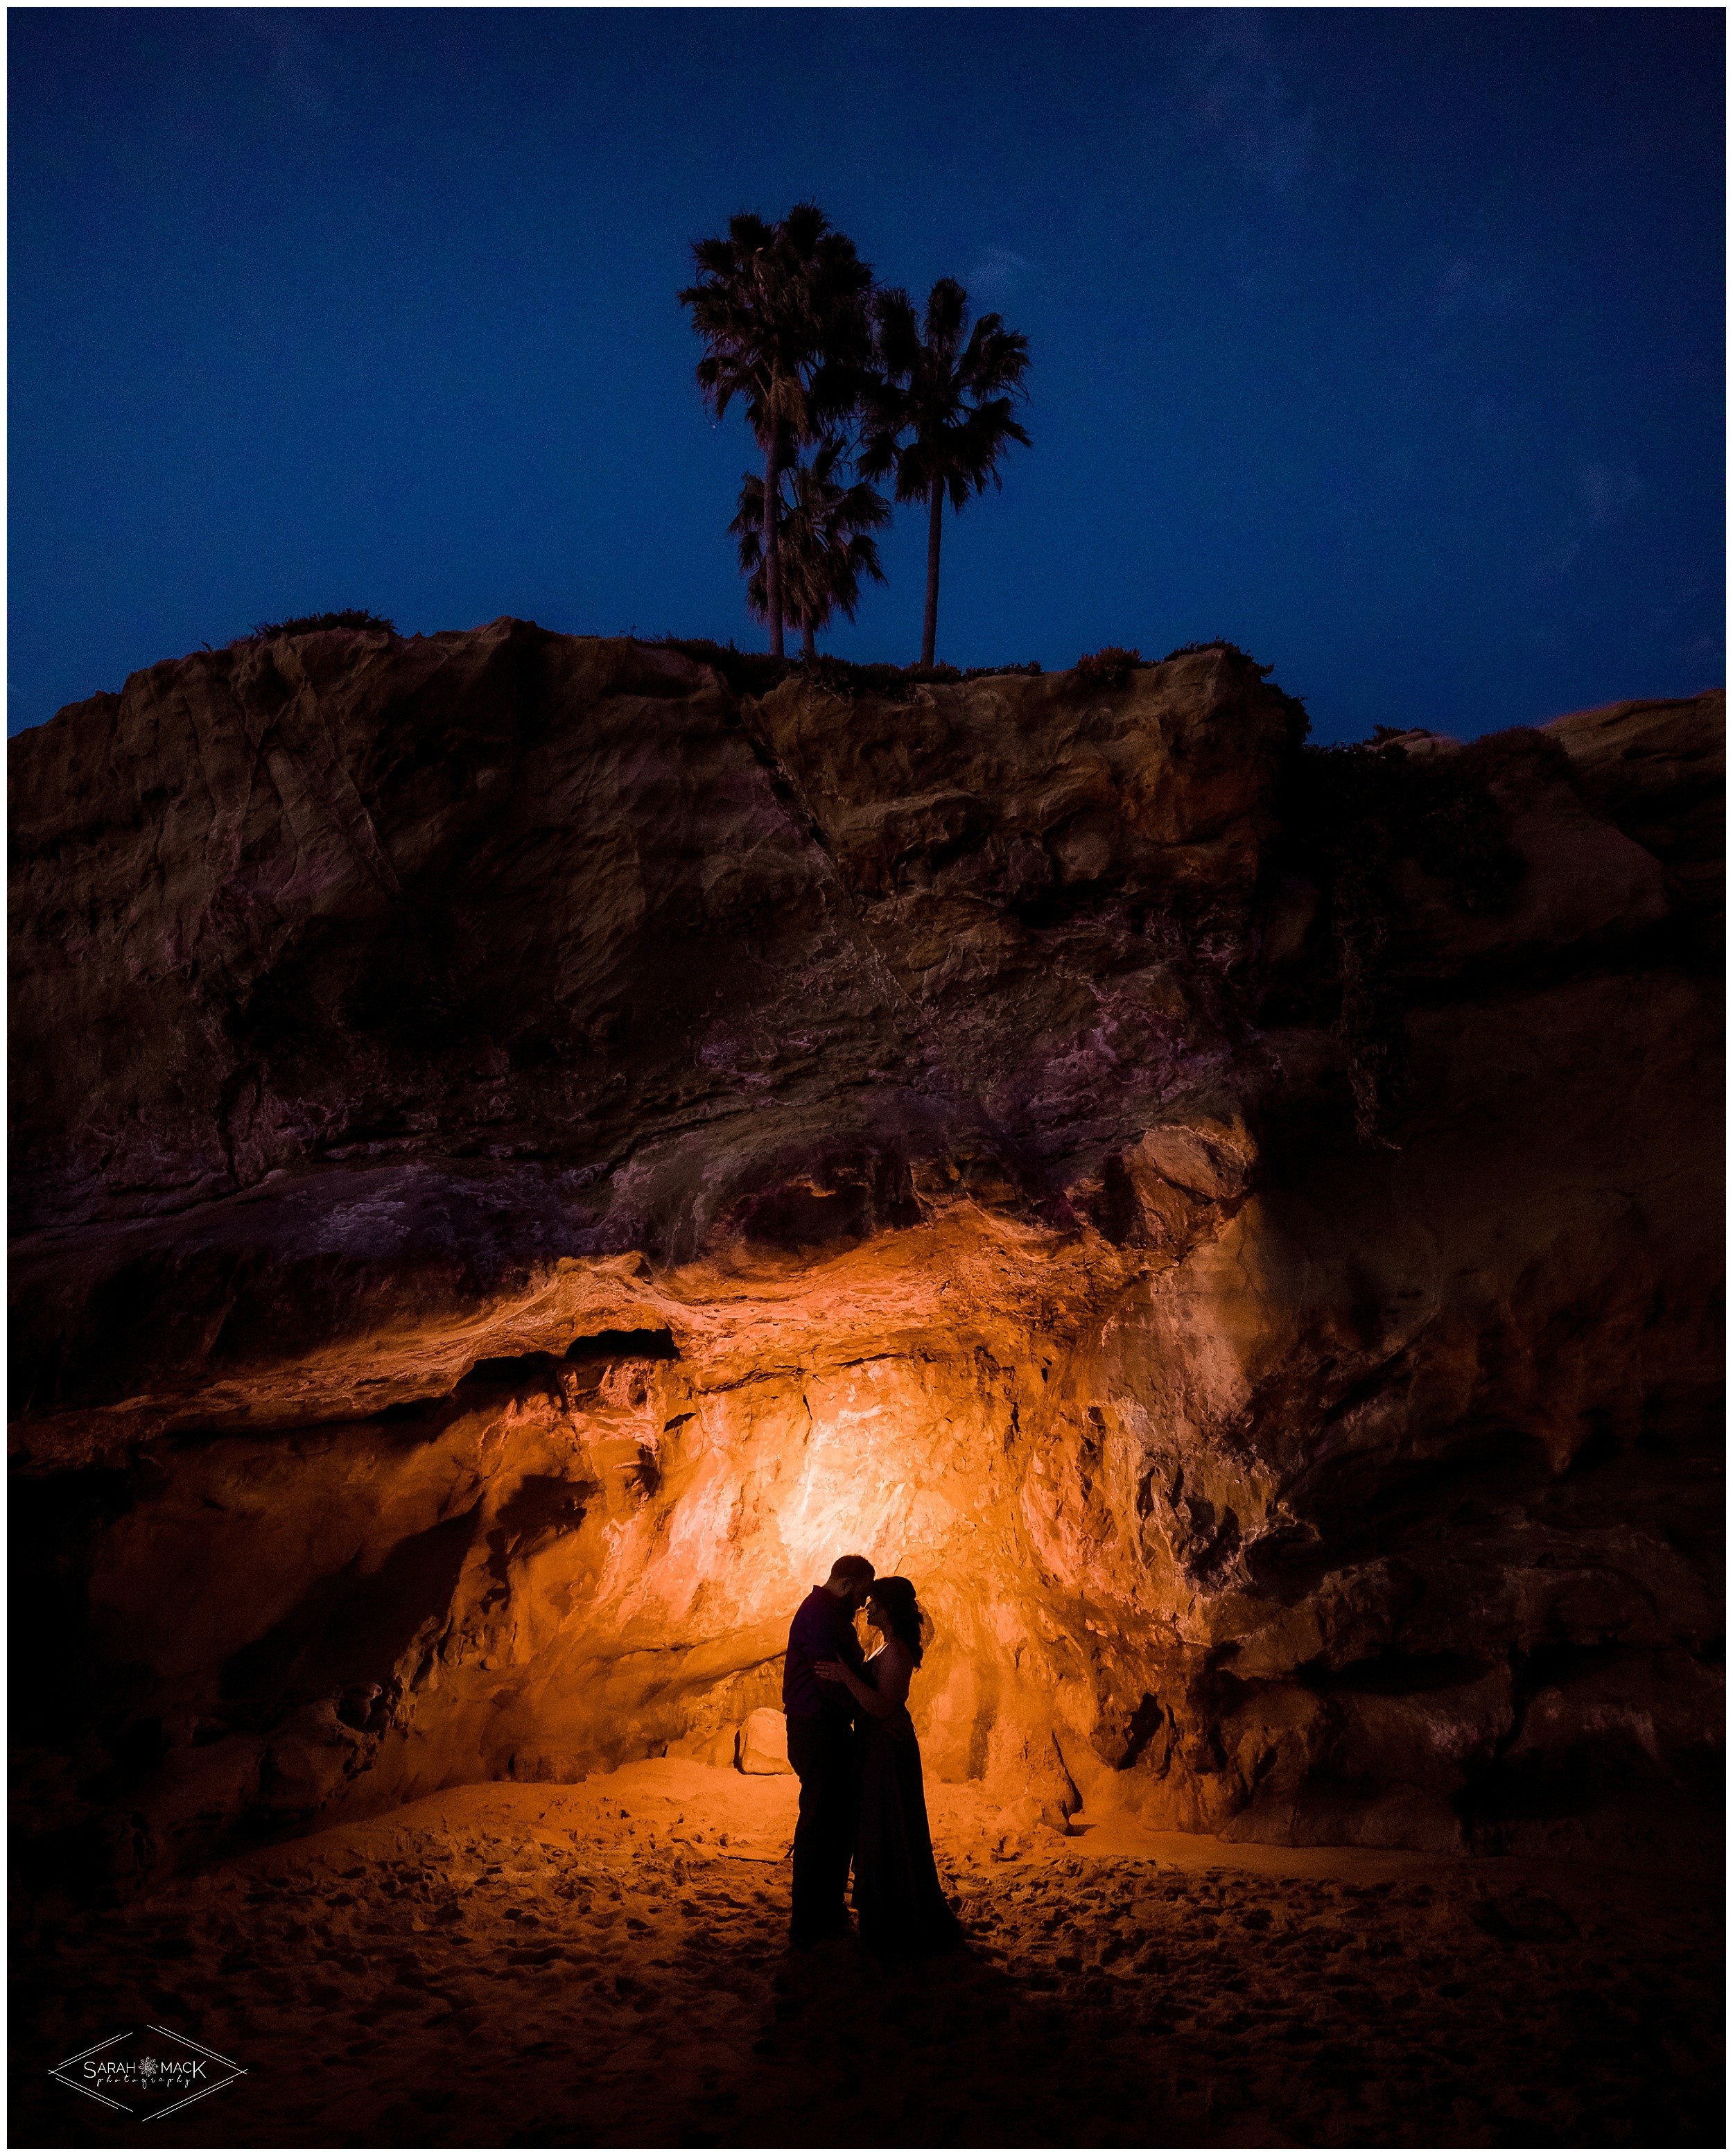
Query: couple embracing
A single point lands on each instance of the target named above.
(852, 1745)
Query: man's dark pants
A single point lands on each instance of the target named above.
(822, 1751)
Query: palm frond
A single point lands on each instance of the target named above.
(823, 527)
(940, 412)
(782, 309)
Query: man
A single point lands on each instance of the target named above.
(821, 1750)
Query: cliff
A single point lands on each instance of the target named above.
(520, 1154)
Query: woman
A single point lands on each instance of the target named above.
(897, 1894)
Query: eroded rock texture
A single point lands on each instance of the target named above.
(520, 1155)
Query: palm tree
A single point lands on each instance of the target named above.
(782, 308)
(939, 414)
(822, 533)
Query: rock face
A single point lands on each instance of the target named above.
(521, 1155)
(762, 1744)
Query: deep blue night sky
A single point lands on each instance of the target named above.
(1388, 344)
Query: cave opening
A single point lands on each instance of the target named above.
(582, 1555)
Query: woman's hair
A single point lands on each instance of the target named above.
(895, 1597)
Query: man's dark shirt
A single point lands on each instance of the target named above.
(822, 1631)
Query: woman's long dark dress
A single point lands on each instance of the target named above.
(897, 1894)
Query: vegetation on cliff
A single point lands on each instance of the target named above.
(824, 537)
(305, 624)
(939, 411)
(782, 311)
(823, 361)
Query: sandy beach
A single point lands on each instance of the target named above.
(604, 1964)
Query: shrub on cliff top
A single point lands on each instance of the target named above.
(1221, 644)
(303, 625)
(756, 673)
(1113, 666)
(1110, 668)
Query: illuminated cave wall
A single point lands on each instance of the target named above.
(470, 1384)
(578, 1559)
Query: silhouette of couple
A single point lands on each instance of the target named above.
(852, 1745)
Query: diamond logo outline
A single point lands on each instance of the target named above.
(234, 2073)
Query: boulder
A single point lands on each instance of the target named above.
(761, 1743)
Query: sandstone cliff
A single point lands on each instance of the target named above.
(520, 1154)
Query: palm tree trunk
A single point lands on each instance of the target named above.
(773, 552)
(936, 525)
(809, 650)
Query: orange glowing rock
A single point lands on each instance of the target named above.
(762, 1744)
